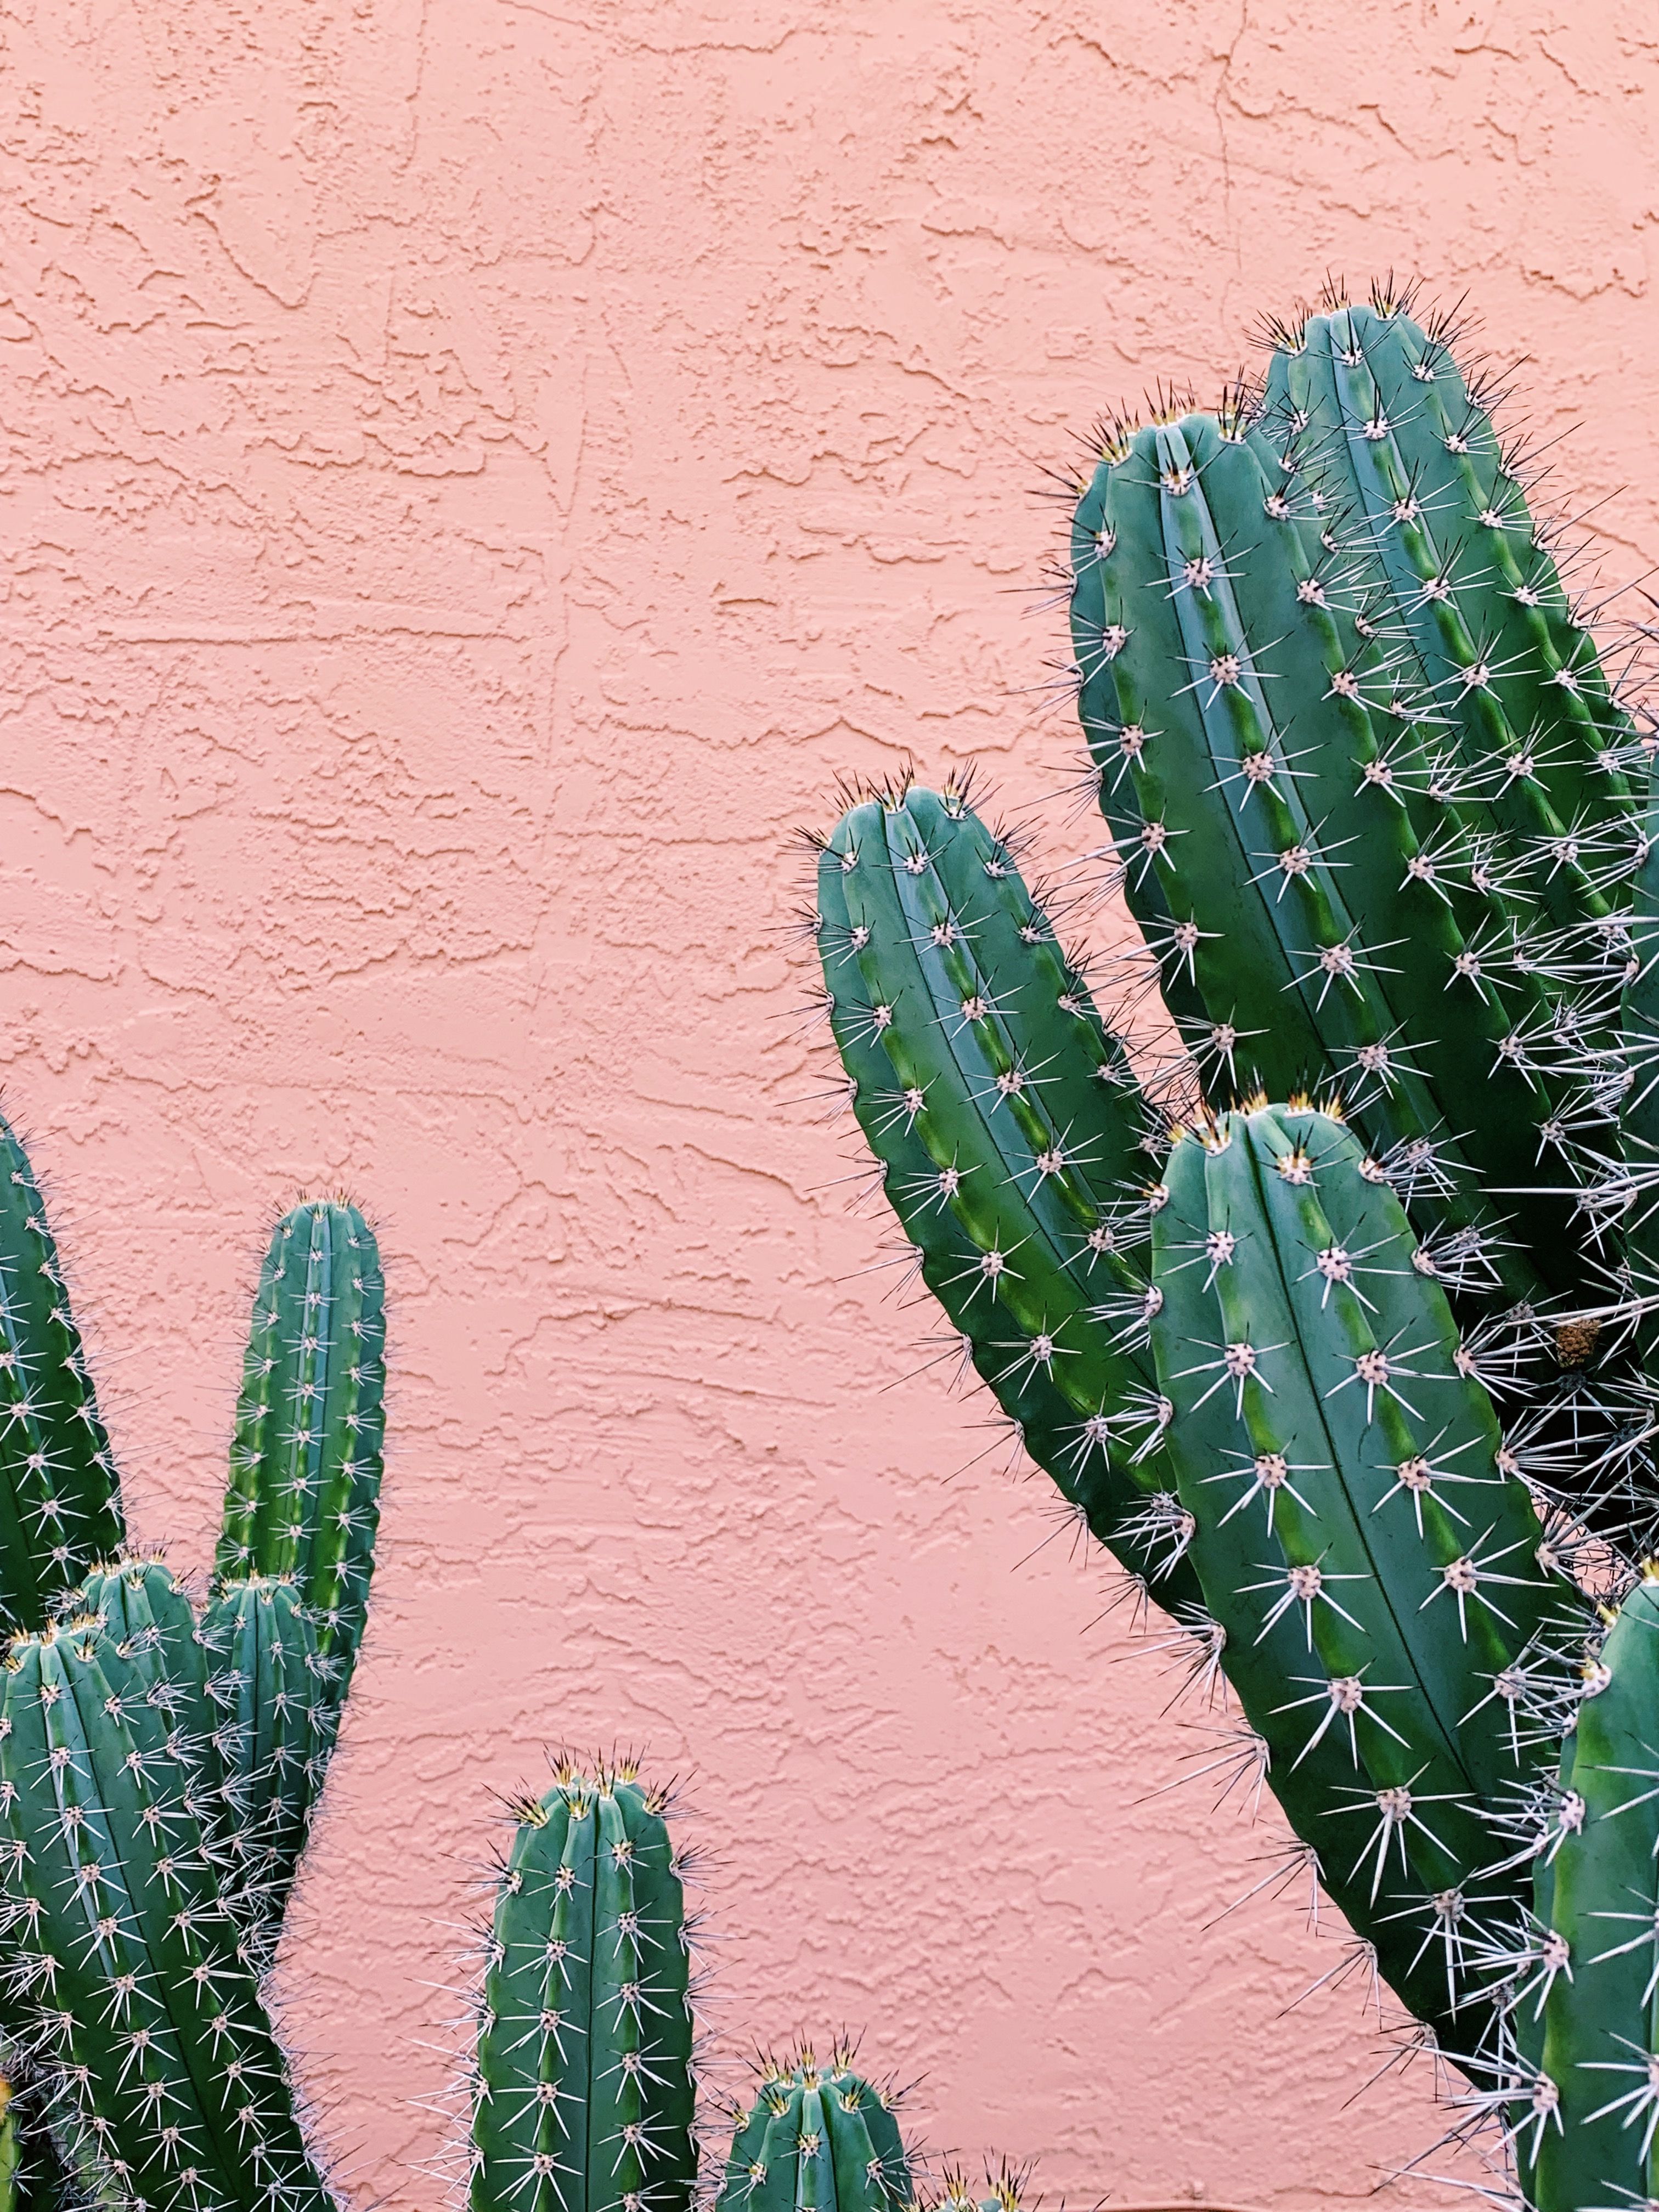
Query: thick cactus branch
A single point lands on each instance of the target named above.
(1302, 858)
(583, 2090)
(121, 1957)
(1011, 1138)
(274, 1724)
(1390, 1625)
(303, 1501)
(59, 1506)
(1581, 2096)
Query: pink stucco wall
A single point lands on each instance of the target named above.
(473, 470)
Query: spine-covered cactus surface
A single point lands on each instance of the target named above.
(123, 1963)
(1372, 409)
(1580, 2093)
(303, 1504)
(59, 1507)
(583, 2095)
(1390, 1630)
(1637, 1171)
(273, 1726)
(1334, 899)
(1011, 1134)
(818, 2137)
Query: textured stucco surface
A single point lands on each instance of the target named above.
(472, 471)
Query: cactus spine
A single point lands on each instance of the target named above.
(582, 2091)
(818, 2138)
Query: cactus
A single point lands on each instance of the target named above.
(1378, 809)
(157, 1775)
(1010, 1134)
(1578, 2089)
(1007, 2188)
(1372, 408)
(582, 2095)
(59, 1506)
(1374, 1564)
(304, 1498)
(1464, 1669)
(121, 1956)
(273, 1729)
(1330, 902)
(818, 2138)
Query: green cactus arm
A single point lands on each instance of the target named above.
(816, 2138)
(1583, 1992)
(1345, 1480)
(1007, 1179)
(120, 1952)
(1471, 589)
(583, 2086)
(303, 1499)
(59, 1506)
(1339, 922)
(273, 1729)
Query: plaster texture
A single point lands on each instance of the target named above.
(472, 472)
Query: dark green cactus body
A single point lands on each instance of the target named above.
(59, 1507)
(584, 2097)
(817, 2139)
(273, 1729)
(1291, 857)
(1374, 1567)
(1376, 410)
(120, 1952)
(1586, 1998)
(303, 1503)
(1009, 1133)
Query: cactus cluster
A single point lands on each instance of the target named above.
(1337, 1324)
(160, 1762)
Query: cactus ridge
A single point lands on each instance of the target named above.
(303, 1502)
(818, 2136)
(583, 2094)
(60, 1507)
(1332, 893)
(1012, 1140)
(121, 1957)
